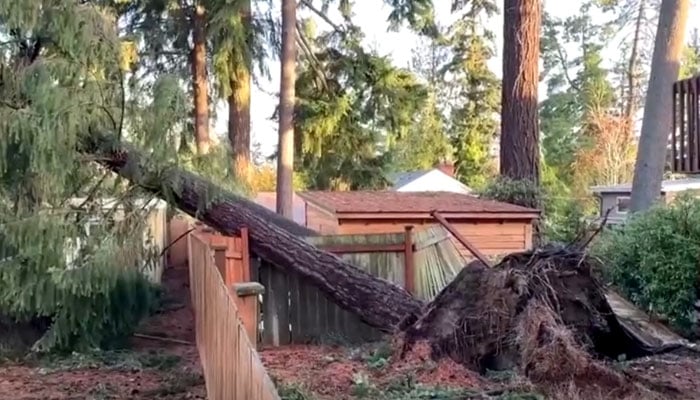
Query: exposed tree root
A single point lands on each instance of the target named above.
(542, 313)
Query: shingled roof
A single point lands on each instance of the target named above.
(408, 202)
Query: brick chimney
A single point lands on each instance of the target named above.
(446, 167)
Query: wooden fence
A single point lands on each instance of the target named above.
(232, 369)
(293, 311)
(685, 133)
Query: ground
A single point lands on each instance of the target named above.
(157, 369)
(148, 369)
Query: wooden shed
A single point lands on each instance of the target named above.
(495, 228)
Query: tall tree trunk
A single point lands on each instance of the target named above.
(239, 111)
(630, 107)
(656, 125)
(274, 238)
(285, 157)
(200, 80)
(519, 121)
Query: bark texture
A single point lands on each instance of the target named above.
(239, 112)
(285, 157)
(630, 107)
(656, 125)
(274, 238)
(200, 82)
(519, 153)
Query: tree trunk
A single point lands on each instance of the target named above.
(274, 238)
(519, 121)
(656, 125)
(285, 156)
(239, 112)
(631, 106)
(200, 81)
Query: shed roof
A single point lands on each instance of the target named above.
(408, 202)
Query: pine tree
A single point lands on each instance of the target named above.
(473, 116)
(353, 106)
(60, 80)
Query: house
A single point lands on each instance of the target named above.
(155, 233)
(493, 227)
(441, 178)
(616, 198)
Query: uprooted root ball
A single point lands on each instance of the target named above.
(543, 313)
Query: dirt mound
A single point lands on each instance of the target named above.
(543, 313)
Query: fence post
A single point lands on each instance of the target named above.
(245, 255)
(409, 267)
(246, 296)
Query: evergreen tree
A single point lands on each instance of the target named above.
(427, 141)
(60, 81)
(473, 115)
(352, 106)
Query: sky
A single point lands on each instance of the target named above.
(372, 18)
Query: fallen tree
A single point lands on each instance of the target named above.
(542, 312)
(377, 302)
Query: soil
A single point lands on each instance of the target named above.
(149, 369)
(334, 372)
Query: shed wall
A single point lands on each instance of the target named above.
(320, 221)
(491, 237)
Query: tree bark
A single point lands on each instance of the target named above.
(274, 238)
(285, 157)
(239, 111)
(519, 153)
(631, 106)
(200, 80)
(656, 125)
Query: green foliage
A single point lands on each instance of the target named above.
(654, 259)
(352, 105)
(119, 360)
(563, 218)
(473, 115)
(519, 192)
(62, 78)
(690, 62)
(293, 392)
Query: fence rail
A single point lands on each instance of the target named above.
(232, 369)
(685, 133)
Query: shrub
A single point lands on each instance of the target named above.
(563, 218)
(653, 260)
(93, 302)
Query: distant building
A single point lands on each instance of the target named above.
(616, 198)
(439, 179)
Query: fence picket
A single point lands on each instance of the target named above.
(232, 368)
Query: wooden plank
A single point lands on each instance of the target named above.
(270, 322)
(674, 115)
(409, 267)
(295, 310)
(361, 248)
(681, 96)
(461, 238)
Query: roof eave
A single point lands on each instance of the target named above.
(358, 215)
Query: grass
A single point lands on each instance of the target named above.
(118, 360)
